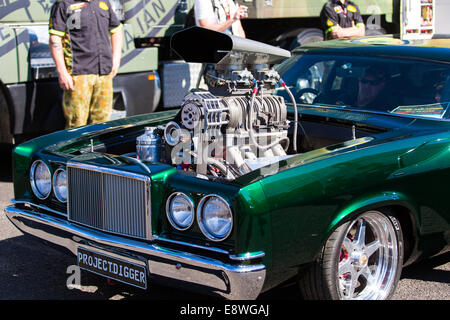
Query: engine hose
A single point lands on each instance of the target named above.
(294, 147)
(250, 129)
(222, 167)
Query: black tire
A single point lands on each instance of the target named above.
(307, 36)
(380, 260)
(5, 121)
(374, 31)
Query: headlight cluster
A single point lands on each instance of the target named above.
(214, 215)
(180, 211)
(214, 218)
(60, 185)
(42, 182)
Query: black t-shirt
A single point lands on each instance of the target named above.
(86, 27)
(334, 14)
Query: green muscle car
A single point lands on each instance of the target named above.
(330, 169)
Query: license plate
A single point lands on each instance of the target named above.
(113, 268)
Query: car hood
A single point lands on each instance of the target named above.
(386, 127)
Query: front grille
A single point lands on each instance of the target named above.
(109, 200)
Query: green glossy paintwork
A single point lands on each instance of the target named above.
(253, 222)
(311, 199)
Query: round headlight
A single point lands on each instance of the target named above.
(41, 179)
(215, 218)
(60, 185)
(180, 211)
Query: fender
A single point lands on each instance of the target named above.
(373, 201)
(379, 200)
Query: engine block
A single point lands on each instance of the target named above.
(222, 132)
(237, 120)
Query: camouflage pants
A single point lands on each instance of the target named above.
(90, 101)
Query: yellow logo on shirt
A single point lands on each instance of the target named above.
(103, 5)
(77, 6)
(351, 8)
(338, 9)
(330, 23)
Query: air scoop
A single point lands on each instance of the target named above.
(202, 45)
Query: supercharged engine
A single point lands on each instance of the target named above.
(235, 126)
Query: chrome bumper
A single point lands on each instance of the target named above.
(174, 267)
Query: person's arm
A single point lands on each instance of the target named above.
(333, 30)
(209, 21)
(57, 27)
(115, 29)
(209, 24)
(64, 78)
(353, 31)
(240, 29)
(358, 29)
(116, 44)
(328, 20)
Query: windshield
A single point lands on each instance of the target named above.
(399, 86)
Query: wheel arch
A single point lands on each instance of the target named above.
(398, 204)
(291, 39)
(5, 96)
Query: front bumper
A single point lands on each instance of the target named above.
(173, 267)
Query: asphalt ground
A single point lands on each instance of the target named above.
(30, 270)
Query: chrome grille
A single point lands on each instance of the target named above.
(109, 200)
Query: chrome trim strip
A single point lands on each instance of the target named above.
(122, 173)
(242, 281)
(212, 249)
(39, 206)
(248, 256)
(241, 257)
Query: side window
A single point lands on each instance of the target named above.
(309, 83)
(341, 73)
(306, 76)
(346, 77)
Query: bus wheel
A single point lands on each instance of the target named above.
(5, 123)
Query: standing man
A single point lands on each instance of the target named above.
(86, 44)
(220, 15)
(341, 19)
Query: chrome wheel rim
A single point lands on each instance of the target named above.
(368, 259)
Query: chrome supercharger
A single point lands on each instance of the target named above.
(237, 123)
